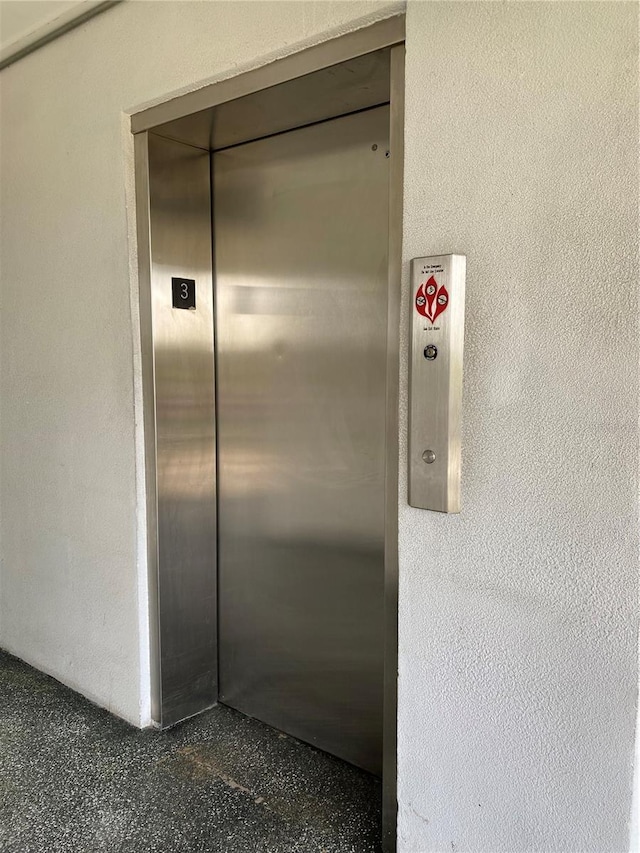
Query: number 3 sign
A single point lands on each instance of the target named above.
(183, 291)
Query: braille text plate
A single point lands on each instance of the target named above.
(435, 382)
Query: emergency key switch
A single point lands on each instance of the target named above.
(430, 352)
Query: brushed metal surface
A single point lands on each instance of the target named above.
(358, 84)
(180, 240)
(143, 222)
(396, 171)
(435, 389)
(301, 249)
(344, 48)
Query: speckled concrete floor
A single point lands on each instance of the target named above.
(75, 778)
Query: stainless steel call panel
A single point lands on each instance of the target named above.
(435, 385)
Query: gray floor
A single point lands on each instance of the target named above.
(75, 778)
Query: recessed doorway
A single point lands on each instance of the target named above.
(269, 211)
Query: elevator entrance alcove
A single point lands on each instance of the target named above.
(273, 403)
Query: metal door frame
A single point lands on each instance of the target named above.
(388, 33)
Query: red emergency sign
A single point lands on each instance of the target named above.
(431, 299)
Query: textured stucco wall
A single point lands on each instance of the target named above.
(518, 618)
(634, 834)
(72, 583)
(518, 643)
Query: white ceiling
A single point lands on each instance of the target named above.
(21, 18)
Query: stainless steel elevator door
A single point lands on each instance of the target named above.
(300, 258)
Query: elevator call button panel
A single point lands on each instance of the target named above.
(183, 293)
(435, 383)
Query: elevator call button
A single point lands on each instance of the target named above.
(183, 291)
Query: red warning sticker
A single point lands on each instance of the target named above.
(431, 300)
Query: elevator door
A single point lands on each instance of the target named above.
(300, 258)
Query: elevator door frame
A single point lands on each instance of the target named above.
(171, 159)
